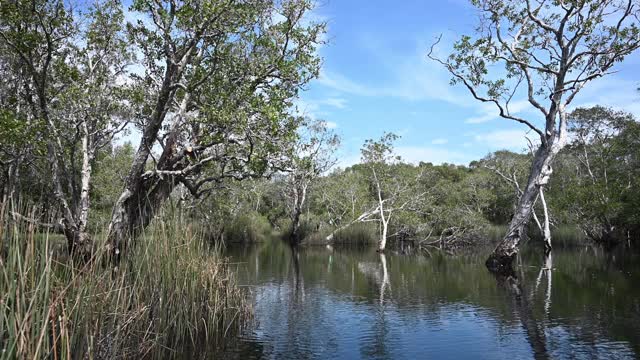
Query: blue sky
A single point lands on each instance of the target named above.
(376, 77)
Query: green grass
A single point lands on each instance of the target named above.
(248, 228)
(357, 234)
(171, 291)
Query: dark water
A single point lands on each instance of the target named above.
(350, 303)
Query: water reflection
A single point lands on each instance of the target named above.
(356, 303)
(521, 300)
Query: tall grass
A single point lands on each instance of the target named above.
(172, 291)
(358, 234)
(248, 228)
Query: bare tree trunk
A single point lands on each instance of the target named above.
(502, 257)
(135, 209)
(384, 223)
(300, 198)
(546, 231)
(362, 218)
(80, 242)
(144, 193)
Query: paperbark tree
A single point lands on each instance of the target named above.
(219, 80)
(67, 67)
(391, 191)
(605, 154)
(508, 171)
(550, 51)
(313, 156)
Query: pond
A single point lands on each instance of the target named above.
(342, 303)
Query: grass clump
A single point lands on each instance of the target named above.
(172, 291)
(248, 228)
(357, 234)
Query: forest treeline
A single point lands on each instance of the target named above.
(595, 189)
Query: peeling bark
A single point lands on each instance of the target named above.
(546, 231)
(502, 257)
(299, 200)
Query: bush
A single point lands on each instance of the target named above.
(357, 234)
(249, 228)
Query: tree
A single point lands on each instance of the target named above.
(607, 157)
(313, 156)
(389, 187)
(550, 50)
(219, 79)
(339, 198)
(510, 167)
(67, 94)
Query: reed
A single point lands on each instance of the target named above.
(172, 291)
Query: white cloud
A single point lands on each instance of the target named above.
(343, 84)
(613, 91)
(135, 16)
(439, 141)
(336, 102)
(490, 111)
(306, 108)
(505, 139)
(316, 108)
(411, 77)
(331, 124)
(416, 154)
(347, 160)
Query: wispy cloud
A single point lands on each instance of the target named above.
(341, 83)
(416, 154)
(504, 139)
(409, 77)
(331, 124)
(439, 141)
(612, 91)
(489, 111)
(336, 102)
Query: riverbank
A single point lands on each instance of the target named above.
(173, 290)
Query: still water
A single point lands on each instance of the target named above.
(581, 303)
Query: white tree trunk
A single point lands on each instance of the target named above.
(384, 221)
(501, 258)
(383, 236)
(546, 231)
(85, 180)
(299, 200)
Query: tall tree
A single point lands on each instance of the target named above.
(509, 167)
(550, 50)
(605, 143)
(391, 189)
(313, 156)
(218, 83)
(68, 69)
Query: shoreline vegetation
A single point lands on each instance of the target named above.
(179, 291)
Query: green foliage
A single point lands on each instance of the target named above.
(248, 228)
(357, 234)
(175, 291)
(108, 180)
(603, 190)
